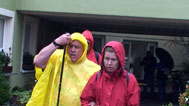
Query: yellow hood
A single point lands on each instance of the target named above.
(82, 39)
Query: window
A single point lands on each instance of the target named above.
(98, 43)
(127, 46)
(29, 43)
(1, 33)
(6, 29)
(152, 47)
(27, 37)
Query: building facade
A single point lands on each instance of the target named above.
(28, 25)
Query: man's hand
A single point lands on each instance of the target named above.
(64, 39)
(43, 56)
(92, 103)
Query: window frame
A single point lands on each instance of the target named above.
(9, 19)
(3, 34)
(102, 38)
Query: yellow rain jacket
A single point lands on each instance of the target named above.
(75, 77)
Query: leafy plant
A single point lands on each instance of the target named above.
(5, 58)
(22, 96)
(28, 58)
(4, 87)
(27, 61)
(170, 104)
(184, 98)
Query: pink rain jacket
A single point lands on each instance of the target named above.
(114, 89)
(91, 54)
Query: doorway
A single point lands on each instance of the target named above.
(134, 53)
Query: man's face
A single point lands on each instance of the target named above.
(111, 62)
(75, 50)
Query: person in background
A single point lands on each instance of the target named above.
(91, 54)
(77, 71)
(149, 62)
(161, 80)
(112, 85)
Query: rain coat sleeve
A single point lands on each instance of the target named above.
(133, 98)
(38, 72)
(39, 94)
(88, 94)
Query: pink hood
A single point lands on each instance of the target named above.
(91, 54)
(119, 50)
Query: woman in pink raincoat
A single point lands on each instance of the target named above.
(113, 85)
(91, 54)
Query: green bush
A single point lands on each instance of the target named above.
(5, 58)
(22, 96)
(4, 88)
(184, 97)
(170, 104)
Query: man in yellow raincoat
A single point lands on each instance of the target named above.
(77, 70)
